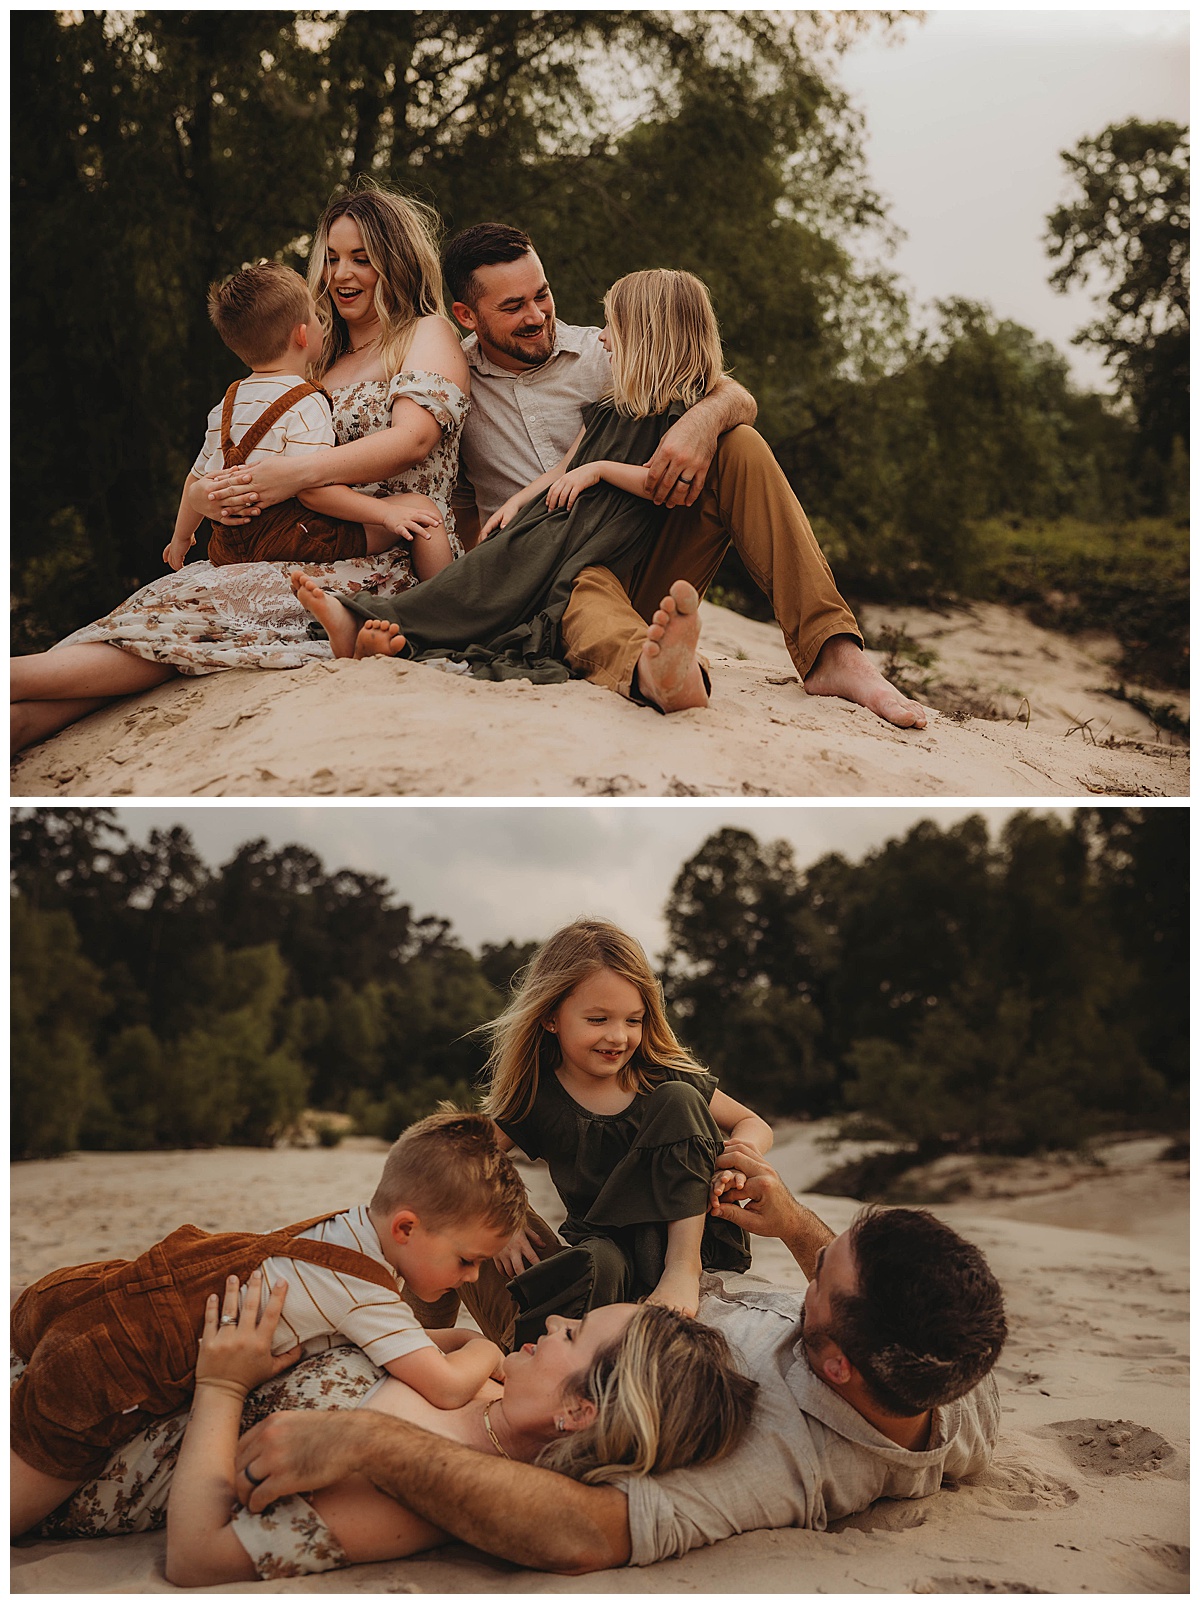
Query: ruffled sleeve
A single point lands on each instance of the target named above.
(288, 1539)
(438, 395)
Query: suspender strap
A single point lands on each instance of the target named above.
(289, 1244)
(264, 422)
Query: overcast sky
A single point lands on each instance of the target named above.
(520, 872)
(966, 117)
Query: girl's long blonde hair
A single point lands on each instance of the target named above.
(522, 1049)
(664, 340)
(667, 1395)
(400, 235)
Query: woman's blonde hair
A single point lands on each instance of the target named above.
(664, 341)
(400, 236)
(522, 1049)
(667, 1395)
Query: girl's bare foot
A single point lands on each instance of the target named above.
(668, 673)
(340, 624)
(378, 638)
(843, 669)
(678, 1289)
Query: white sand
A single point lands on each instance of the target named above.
(383, 728)
(1095, 1268)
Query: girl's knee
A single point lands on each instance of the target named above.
(677, 1094)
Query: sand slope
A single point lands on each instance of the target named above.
(1088, 1491)
(383, 728)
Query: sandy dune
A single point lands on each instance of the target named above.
(383, 728)
(1088, 1491)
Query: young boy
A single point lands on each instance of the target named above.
(266, 316)
(109, 1347)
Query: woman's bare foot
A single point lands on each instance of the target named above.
(668, 673)
(843, 669)
(340, 624)
(378, 638)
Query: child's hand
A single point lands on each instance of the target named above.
(235, 1352)
(502, 517)
(517, 1252)
(406, 524)
(724, 1181)
(175, 553)
(564, 492)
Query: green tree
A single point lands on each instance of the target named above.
(1126, 226)
(57, 1003)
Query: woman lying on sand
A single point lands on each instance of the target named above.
(398, 382)
(597, 1399)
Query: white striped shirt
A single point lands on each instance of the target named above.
(305, 426)
(323, 1304)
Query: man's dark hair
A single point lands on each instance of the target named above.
(481, 246)
(927, 1322)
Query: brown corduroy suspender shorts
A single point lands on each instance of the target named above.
(111, 1346)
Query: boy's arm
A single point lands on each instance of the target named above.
(676, 472)
(340, 501)
(447, 1380)
(187, 521)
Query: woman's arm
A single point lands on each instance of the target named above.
(202, 1549)
(741, 1124)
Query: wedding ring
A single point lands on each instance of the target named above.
(228, 1320)
(255, 1481)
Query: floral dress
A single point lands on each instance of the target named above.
(289, 1538)
(244, 615)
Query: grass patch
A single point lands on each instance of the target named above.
(1128, 579)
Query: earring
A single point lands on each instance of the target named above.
(560, 1424)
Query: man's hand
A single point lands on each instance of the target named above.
(299, 1451)
(676, 472)
(744, 1177)
(502, 516)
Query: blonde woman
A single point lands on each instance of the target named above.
(598, 1400)
(501, 611)
(398, 383)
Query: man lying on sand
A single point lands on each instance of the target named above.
(878, 1385)
(636, 633)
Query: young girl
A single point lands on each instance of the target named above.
(586, 1072)
(501, 611)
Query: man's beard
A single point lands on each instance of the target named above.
(520, 352)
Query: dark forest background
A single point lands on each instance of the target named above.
(948, 991)
(940, 455)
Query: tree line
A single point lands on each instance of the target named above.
(946, 991)
(179, 145)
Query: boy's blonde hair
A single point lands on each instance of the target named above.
(400, 236)
(255, 311)
(448, 1169)
(667, 1394)
(664, 340)
(522, 1049)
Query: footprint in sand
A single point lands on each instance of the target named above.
(1111, 1447)
(885, 1515)
(1016, 1485)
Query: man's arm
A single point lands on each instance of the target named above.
(770, 1209)
(676, 472)
(521, 1513)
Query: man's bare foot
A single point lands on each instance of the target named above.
(378, 638)
(843, 669)
(340, 624)
(668, 673)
